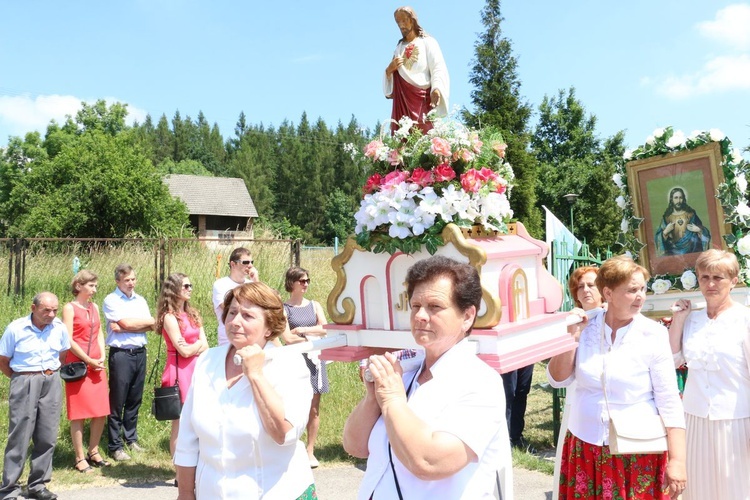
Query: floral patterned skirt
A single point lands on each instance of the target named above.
(309, 494)
(591, 472)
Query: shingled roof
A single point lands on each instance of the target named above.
(212, 195)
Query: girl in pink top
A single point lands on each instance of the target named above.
(182, 328)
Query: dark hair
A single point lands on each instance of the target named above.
(293, 274)
(237, 253)
(263, 296)
(467, 289)
(171, 290)
(575, 279)
(122, 270)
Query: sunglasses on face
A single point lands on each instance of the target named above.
(305, 281)
(245, 262)
(187, 286)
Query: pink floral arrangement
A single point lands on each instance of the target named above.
(421, 182)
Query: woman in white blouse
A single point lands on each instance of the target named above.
(629, 354)
(240, 428)
(715, 344)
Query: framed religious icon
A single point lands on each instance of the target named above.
(675, 194)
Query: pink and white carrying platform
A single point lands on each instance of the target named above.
(517, 323)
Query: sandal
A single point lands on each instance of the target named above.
(85, 470)
(97, 463)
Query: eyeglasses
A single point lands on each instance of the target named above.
(245, 262)
(305, 281)
(187, 286)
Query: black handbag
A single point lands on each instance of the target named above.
(70, 372)
(166, 404)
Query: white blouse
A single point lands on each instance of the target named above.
(221, 433)
(640, 378)
(718, 382)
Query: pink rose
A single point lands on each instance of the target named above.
(499, 148)
(372, 184)
(486, 174)
(371, 150)
(471, 181)
(421, 177)
(444, 172)
(500, 189)
(440, 147)
(394, 157)
(394, 178)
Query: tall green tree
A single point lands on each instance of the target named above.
(497, 101)
(572, 159)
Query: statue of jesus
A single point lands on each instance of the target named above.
(417, 77)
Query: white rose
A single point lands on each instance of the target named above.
(628, 153)
(742, 209)
(660, 286)
(650, 140)
(617, 178)
(658, 132)
(741, 183)
(621, 202)
(677, 139)
(694, 134)
(716, 134)
(688, 280)
(743, 245)
(624, 226)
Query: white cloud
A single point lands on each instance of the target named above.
(23, 113)
(729, 27)
(720, 74)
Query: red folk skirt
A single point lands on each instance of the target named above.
(589, 471)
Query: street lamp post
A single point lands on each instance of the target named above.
(571, 199)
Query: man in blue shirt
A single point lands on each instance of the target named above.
(128, 321)
(31, 350)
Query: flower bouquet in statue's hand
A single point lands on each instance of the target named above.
(422, 182)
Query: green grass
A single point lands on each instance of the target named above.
(50, 269)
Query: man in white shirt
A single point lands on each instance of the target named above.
(128, 320)
(417, 76)
(31, 350)
(241, 271)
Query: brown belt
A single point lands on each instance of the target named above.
(43, 372)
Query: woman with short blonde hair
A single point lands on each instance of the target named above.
(715, 343)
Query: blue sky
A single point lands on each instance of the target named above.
(636, 65)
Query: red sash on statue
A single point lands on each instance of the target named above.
(410, 101)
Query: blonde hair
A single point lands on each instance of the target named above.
(81, 278)
(718, 260)
(616, 271)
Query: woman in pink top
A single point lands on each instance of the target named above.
(182, 328)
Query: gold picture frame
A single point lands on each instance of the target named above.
(677, 227)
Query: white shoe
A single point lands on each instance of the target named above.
(314, 463)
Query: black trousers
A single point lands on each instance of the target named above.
(517, 386)
(127, 375)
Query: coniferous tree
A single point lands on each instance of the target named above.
(572, 159)
(497, 102)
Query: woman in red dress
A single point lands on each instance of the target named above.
(88, 397)
(182, 328)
